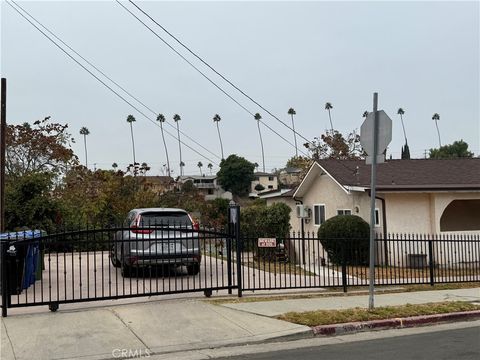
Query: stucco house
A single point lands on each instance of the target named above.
(207, 185)
(267, 181)
(418, 196)
(157, 184)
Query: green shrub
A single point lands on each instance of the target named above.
(345, 238)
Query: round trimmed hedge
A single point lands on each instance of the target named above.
(346, 238)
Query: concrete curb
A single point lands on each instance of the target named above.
(345, 328)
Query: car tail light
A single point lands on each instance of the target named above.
(195, 224)
(135, 230)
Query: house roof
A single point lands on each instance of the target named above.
(156, 179)
(196, 177)
(399, 175)
(276, 193)
(259, 173)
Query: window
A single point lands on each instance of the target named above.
(270, 178)
(270, 186)
(377, 217)
(318, 214)
(344, 212)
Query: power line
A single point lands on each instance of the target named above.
(206, 77)
(97, 78)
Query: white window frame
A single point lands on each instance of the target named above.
(343, 211)
(324, 214)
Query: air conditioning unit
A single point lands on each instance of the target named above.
(303, 212)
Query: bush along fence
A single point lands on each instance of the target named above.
(116, 262)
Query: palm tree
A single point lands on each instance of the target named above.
(258, 117)
(216, 119)
(131, 120)
(161, 120)
(365, 114)
(210, 166)
(292, 112)
(84, 131)
(177, 118)
(400, 112)
(182, 164)
(114, 166)
(435, 118)
(200, 167)
(329, 106)
(256, 166)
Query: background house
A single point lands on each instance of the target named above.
(267, 181)
(207, 185)
(157, 184)
(413, 196)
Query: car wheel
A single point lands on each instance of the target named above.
(193, 269)
(126, 270)
(114, 260)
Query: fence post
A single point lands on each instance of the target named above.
(229, 251)
(239, 252)
(234, 211)
(344, 266)
(4, 278)
(430, 261)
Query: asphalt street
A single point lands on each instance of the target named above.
(458, 344)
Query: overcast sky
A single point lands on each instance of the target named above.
(421, 56)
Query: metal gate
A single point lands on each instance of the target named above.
(104, 263)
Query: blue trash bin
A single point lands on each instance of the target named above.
(23, 260)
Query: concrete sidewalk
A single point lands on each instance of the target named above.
(169, 326)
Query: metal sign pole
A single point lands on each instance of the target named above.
(371, 272)
(3, 129)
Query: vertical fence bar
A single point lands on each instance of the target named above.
(5, 295)
(430, 256)
(236, 214)
(344, 266)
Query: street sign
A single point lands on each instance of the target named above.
(384, 135)
(267, 242)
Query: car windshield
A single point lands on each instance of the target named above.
(165, 218)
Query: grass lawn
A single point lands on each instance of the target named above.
(327, 317)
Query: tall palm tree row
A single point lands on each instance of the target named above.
(258, 117)
(131, 120)
(177, 118)
(84, 131)
(435, 118)
(161, 120)
(216, 119)
(292, 112)
(328, 107)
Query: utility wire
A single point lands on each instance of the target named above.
(216, 72)
(96, 77)
(205, 76)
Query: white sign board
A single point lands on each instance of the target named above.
(384, 135)
(267, 242)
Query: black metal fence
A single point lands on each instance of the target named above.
(304, 261)
(111, 263)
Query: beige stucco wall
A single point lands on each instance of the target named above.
(263, 180)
